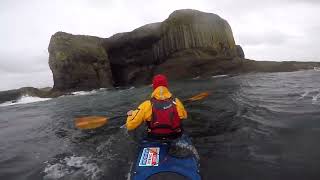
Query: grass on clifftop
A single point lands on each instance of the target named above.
(67, 45)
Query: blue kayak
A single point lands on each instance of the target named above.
(175, 159)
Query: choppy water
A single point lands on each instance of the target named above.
(255, 126)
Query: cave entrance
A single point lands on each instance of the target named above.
(118, 74)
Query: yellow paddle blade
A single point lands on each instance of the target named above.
(199, 96)
(90, 122)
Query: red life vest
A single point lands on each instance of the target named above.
(165, 119)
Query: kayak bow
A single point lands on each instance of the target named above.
(160, 160)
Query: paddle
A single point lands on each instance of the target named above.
(92, 122)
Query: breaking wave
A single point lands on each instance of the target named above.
(315, 98)
(24, 100)
(81, 93)
(220, 76)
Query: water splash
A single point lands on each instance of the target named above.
(189, 147)
(304, 95)
(315, 98)
(55, 171)
(24, 100)
(72, 165)
(184, 144)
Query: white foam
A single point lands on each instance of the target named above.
(75, 161)
(315, 98)
(24, 100)
(316, 68)
(190, 147)
(70, 165)
(55, 171)
(304, 95)
(219, 76)
(81, 93)
(90, 169)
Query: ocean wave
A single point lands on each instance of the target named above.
(304, 94)
(196, 78)
(81, 93)
(314, 95)
(121, 89)
(315, 98)
(24, 100)
(220, 76)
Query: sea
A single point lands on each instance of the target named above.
(253, 126)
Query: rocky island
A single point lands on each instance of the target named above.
(187, 44)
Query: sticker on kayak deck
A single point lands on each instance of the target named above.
(150, 156)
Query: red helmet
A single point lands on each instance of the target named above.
(159, 80)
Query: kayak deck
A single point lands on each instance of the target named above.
(154, 159)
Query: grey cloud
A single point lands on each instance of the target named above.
(35, 79)
(313, 31)
(265, 38)
(305, 1)
(290, 27)
(12, 64)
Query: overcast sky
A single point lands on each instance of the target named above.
(267, 30)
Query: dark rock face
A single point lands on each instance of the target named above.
(86, 62)
(188, 43)
(131, 55)
(185, 35)
(240, 52)
(204, 33)
(78, 62)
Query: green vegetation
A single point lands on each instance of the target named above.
(61, 56)
(66, 45)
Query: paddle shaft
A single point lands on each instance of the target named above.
(92, 122)
(183, 101)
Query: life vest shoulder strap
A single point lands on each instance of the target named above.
(160, 104)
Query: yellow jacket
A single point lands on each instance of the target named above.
(144, 111)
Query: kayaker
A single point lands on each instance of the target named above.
(162, 113)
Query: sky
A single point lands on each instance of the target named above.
(276, 30)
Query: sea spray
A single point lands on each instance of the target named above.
(24, 100)
(182, 147)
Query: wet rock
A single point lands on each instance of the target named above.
(78, 62)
